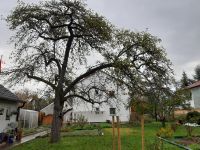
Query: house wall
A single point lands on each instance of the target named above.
(88, 111)
(184, 112)
(196, 96)
(48, 110)
(10, 107)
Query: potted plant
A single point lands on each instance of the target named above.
(19, 134)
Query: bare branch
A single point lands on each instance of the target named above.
(87, 74)
(41, 80)
(92, 101)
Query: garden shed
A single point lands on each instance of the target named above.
(28, 118)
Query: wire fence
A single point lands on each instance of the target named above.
(165, 143)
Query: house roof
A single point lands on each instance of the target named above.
(7, 95)
(194, 85)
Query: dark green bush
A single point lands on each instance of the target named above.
(193, 117)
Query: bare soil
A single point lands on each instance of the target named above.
(189, 140)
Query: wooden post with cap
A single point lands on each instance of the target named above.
(142, 122)
(142, 130)
(113, 129)
(118, 133)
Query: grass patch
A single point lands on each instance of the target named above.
(130, 139)
(27, 131)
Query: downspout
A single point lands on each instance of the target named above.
(18, 110)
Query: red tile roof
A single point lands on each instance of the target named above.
(196, 84)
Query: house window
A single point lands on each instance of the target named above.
(71, 116)
(1, 111)
(97, 110)
(112, 111)
(7, 114)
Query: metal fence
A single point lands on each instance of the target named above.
(168, 143)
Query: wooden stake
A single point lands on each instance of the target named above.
(142, 130)
(118, 131)
(113, 127)
(128, 135)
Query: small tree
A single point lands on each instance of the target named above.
(33, 100)
(185, 81)
(197, 73)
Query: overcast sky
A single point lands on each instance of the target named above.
(176, 22)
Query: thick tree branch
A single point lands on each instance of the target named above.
(66, 111)
(41, 80)
(87, 74)
(83, 98)
(57, 63)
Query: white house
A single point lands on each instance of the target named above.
(195, 91)
(97, 113)
(9, 110)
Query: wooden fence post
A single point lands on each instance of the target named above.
(118, 131)
(113, 135)
(142, 130)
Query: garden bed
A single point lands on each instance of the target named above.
(188, 140)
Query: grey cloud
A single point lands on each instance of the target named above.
(176, 22)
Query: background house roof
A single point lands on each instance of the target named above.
(196, 84)
(7, 95)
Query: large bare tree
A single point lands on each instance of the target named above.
(54, 40)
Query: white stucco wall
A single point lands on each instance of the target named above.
(196, 97)
(89, 113)
(12, 107)
(48, 109)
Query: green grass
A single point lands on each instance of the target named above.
(27, 131)
(130, 140)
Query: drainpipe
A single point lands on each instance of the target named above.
(18, 109)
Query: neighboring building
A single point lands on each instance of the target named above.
(91, 113)
(95, 112)
(195, 91)
(9, 110)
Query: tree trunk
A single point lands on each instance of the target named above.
(57, 119)
(163, 120)
(156, 115)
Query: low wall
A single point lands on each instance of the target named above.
(184, 112)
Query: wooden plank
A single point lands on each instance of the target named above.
(113, 135)
(118, 131)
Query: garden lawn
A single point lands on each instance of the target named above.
(130, 140)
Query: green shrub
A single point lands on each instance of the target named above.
(174, 126)
(193, 117)
(166, 132)
(180, 119)
(105, 125)
(156, 145)
(81, 121)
